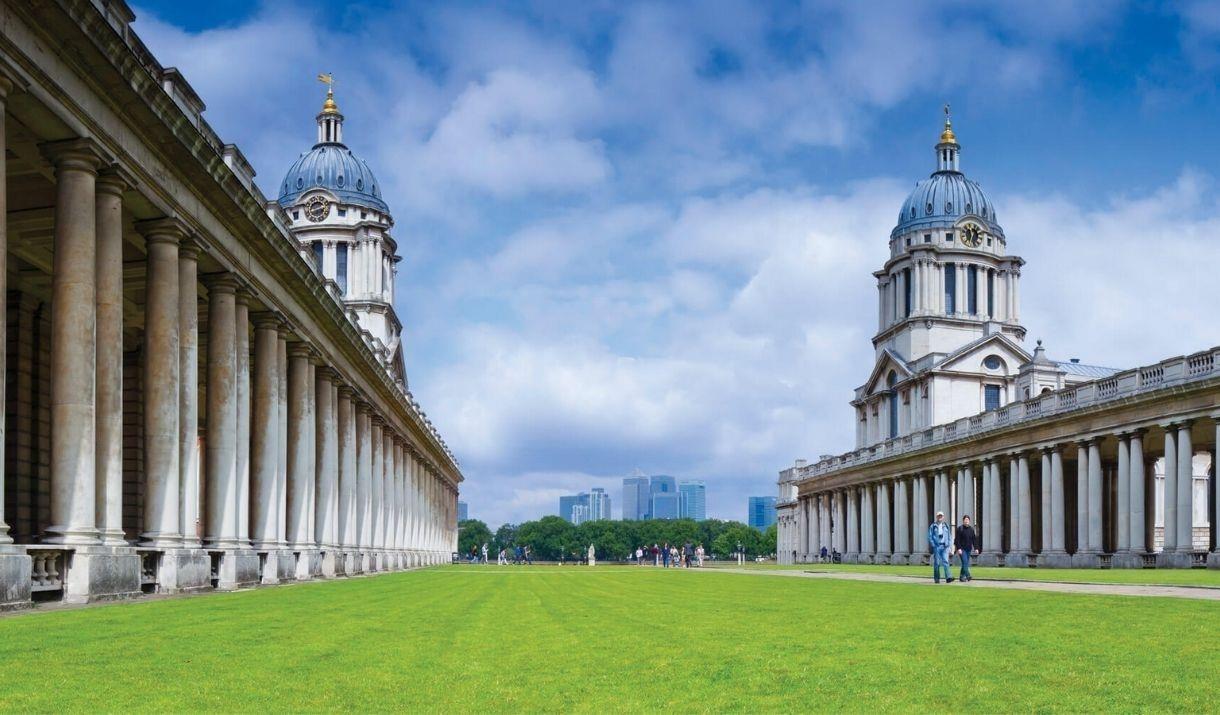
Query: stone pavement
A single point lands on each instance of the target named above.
(1095, 589)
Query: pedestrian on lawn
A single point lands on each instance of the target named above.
(940, 539)
(967, 543)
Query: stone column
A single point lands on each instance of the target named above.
(109, 418)
(281, 475)
(220, 529)
(364, 484)
(1096, 505)
(73, 325)
(868, 529)
(919, 542)
(1123, 515)
(1058, 523)
(1048, 517)
(188, 393)
(1135, 446)
(1186, 492)
(814, 544)
(1026, 505)
(242, 334)
(300, 476)
(1082, 498)
(971, 503)
(162, 361)
(387, 487)
(348, 535)
(1213, 559)
(377, 490)
(14, 566)
(264, 438)
(993, 522)
(852, 526)
(1014, 505)
(326, 471)
(885, 542)
(1170, 501)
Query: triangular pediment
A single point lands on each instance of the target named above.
(886, 361)
(970, 357)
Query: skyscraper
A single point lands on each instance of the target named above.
(637, 500)
(665, 499)
(463, 511)
(693, 500)
(568, 505)
(599, 504)
(762, 512)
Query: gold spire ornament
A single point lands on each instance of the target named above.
(947, 136)
(329, 106)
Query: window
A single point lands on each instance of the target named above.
(341, 267)
(296, 215)
(927, 238)
(972, 289)
(364, 215)
(318, 252)
(893, 403)
(908, 243)
(991, 397)
(950, 288)
(993, 362)
(991, 293)
(907, 289)
(342, 212)
(949, 237)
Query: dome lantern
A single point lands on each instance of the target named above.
(330, 121)
(947, 149)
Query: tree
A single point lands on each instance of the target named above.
(505, 538)
(736, 533)
(548, 537)
(770, 540)
(609, 539)
(472, 532)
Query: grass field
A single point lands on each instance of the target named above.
(1157, 577)
(489, 639)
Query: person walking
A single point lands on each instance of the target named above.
(940, 539)
(484, 553)
(823, 554)
(639, 556)
(656, 555)
(503, 560)
(967, 543)
(665, 554)
(699, 555)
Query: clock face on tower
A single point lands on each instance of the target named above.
(971, 235)
(316, 208)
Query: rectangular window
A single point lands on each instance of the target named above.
(927, 238)
(972, 289)
(950, 288)
(296, 215)
(342, 212)
(906, 300)
(908, 242)
(991, 293)
(318, 248)
(991, 397)
(949, 237)
(341, 267)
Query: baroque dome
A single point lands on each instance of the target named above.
(944, 199)
(332, 166)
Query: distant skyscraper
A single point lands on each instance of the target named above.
(637, 500)
(568, 504)
(665, 498)
(693, 500)
(762, 512)
(463, 511)
(580, 513)
(599, 504)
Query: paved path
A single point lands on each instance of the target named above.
(1103, 589)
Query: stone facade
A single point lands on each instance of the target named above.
(188, 404)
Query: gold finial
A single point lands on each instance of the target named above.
(947, 136)
(329, 106)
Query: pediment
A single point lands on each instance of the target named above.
(971, 357)
(887, 361)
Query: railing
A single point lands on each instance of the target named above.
(47, 568)
(1174, 371)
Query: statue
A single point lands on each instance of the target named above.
(592, 556)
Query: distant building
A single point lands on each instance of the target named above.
(762, 512)
(463, 511)
(665, 499)
(599, 504)
(568, 505)
(580, 513)
(693, 500)
(637, 500)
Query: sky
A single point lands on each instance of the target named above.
(639, 237)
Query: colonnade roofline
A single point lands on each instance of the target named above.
(1128, 401)
(183, 171)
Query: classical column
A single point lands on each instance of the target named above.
(1058, 521)
(348, 534)
(1214, 560)
(311, 439)
(919, 522)
(265, 438)
(6, 540)
(885, 541)
(970, 502)
(1026, 505)
(73, 356)
(1138, 480)
(814, 535)
(853, 524)
(1096, 505)
(188, 393)
(377, 491)
(993, 528)
(300, 475)
(1014, 505)
(162, 467)
(1082, 497)
(364, 484)
(868, 528)
(326, 471)
(387, 487)
(1170, 500)
(241, 313)
(1186, 488)
(220, 530)
(1048, 517)
(281, 473)
(109, 418)
(1123, 515)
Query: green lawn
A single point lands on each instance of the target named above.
(1157, 577)
(488, 639)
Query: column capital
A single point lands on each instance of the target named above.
(244, 294)
(168, 229)
(1085, 442)
(299, 350)
(114, 180)
(267, 320)
(376, 419)
(189, 248)
(80, 154)
(224, 282)
(326, 372)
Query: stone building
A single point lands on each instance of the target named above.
(192, 400)
(1057, 462)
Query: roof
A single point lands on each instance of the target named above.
(942, 200)
(1089, 371)
(332, 166)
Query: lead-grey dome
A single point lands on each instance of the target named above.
(942, 200)
(332, 166)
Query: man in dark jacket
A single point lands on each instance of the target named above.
(967, 544)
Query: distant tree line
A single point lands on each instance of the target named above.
(551, 537)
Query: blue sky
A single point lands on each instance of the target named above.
(640, 236)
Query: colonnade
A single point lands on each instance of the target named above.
(927, 282)
(1087, 502)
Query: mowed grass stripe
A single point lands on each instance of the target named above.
(486, 639)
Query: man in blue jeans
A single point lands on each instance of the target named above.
(967, 544)
(941, 540)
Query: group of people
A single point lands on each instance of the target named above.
(521, 555)
(945, 542)
(670, 555)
